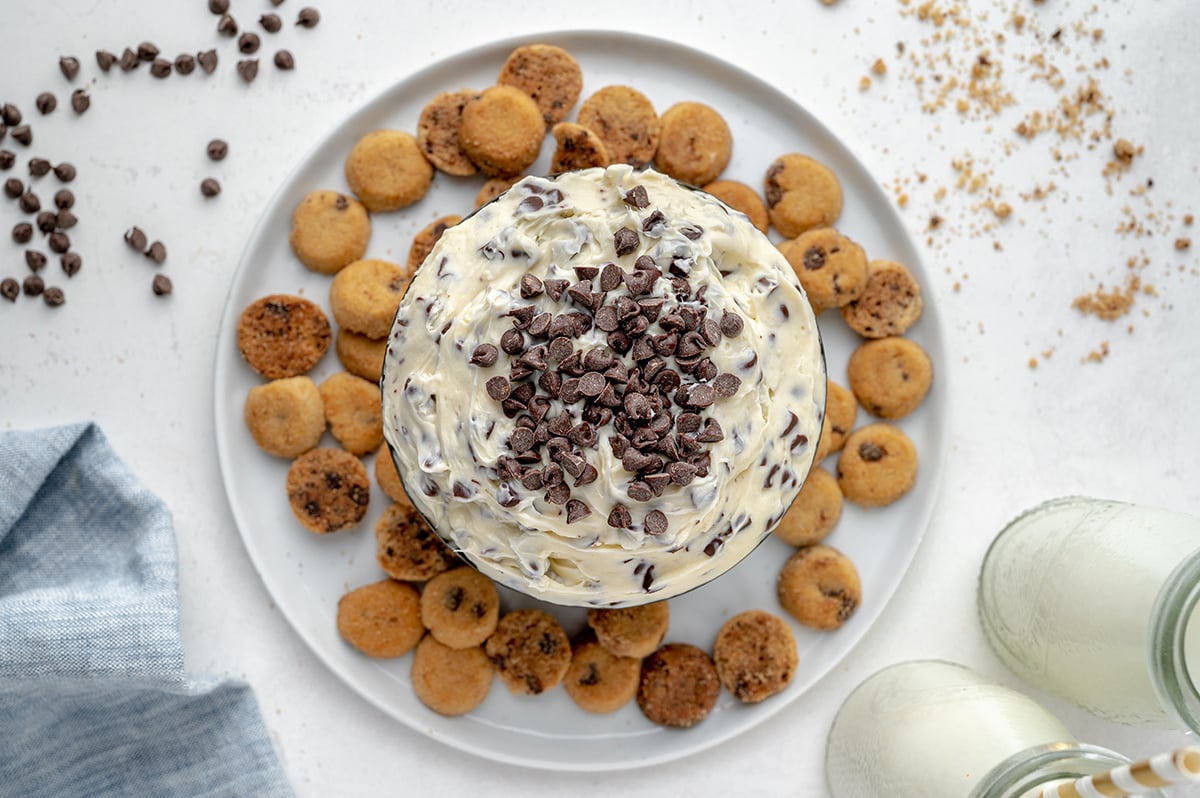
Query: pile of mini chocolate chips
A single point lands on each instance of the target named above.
(633, 384)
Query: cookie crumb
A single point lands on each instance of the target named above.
(879, 67)
(864, 83)
(1124, 151)
(1108, 304)
(1182, 243)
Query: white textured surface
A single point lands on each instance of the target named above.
(142, 367)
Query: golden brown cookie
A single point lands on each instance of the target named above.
(694, 143)
(890, 376)
(625, 120)
(578, 148)
(679, 686)
(387, 171)
(423, 243)
(878, 465)
(801, 194)
(381, 619)
(819, 587)
(329, 230)
(354, 411)
(328, 490)
(814, 513)
(439, 133)
(741, 197)
(360, 355)
(546, 73)
(598, 680)
(890, 303)
(631, 631)
(841, 410)
(460, 607)
(831, 267)
(407, 548)
(502, 130)
(755, 655)
(285, 417)
(388, 478)
(450, 681)
(283, 336)
(530, 650)
(364, 296)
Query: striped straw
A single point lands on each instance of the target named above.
(1161, 770)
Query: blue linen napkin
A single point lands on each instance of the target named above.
(93, 697)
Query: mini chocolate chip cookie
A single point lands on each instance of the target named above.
(831, 267)
(450, 681)
(679, 686)
(890, 303)
(502, 131)
(381, 620)
(890, 376)
(546, 73)
(877, 466)
(283, 336)
(755, 655)
(285, 417)
(407, 548)
(364, 296)
(460, 607)
(694, 143)
(801, 194)
(354, 412)
(328, 490)
(578, 148)
(530, 650)
(329, 231)
(741, 197)
(388, 478)
(360, 355)
(819, 587)
(439, 131)
(494, 188)
(599, 681)
(631, 631)
(423, 242)
(387, 170)
(841, 411)
(625, 120)
(814, 513)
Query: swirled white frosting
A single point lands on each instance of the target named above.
(451, 439)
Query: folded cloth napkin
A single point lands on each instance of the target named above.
(93, 697)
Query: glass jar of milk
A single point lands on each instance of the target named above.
(1095, 601)
(932, 729)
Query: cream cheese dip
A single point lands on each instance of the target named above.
(603, 388)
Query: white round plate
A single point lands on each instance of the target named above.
(307, 574)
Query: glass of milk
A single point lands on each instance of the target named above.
(1095, 601)
(932, 729)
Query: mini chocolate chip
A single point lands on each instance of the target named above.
(46, 222)
(29, 202)
(54, 296)
(499, 388)
(160, 68)
(512, 342)
(35, 260)
(59, 242)
(540, 325)
(592, 384)
(209, 187)
(652, 221)
(576, 510)
(619, 517)
(65, 172)
(227, 25)
(161, 285)
(556, 287)
(551, 383)
(271, 23)
(13, 188)
(731, 324)
(207, 61)
(560, 348)
(69, 65)
(727, 385)
(523, 316)
(870, 452)
(656, 522)
(535, 358)
(587, 476)
(247, 69)
(711, 433)
(136, 239)
(558, 494)
(39, 167)
(23, 134)
(11, 114)
(105, 60)
(570, 393)
(63, 198)
(129, 60)
(625, 241)
(33, 285)
(7, 159)
(10, 289)
(521, 439)
(531, 286)
(185, 64)
(285, 60)
(636, 197)
(80, 101)
(147, 52)
(157, 252)
(484, 355)
(71, 263)
(65, 220)
(46, 103)
(701, 395)
(248, 43)
(217, 149)
(707, 370)
(586, 273)
(638, 490)
(814, 258)
(309, 17)
(218, 7)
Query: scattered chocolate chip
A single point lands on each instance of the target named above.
(46, 222)
(726, 385)
(161, 285)
(731, 324)
(65, 172)
(484, 355)
(276, 2)
(870, 452)
(309, 17)
(625, 241)
(71, 263)
(207, 61)
(136, 239)
(35, 260)
(10, 289)
(147, 52)
(23, 134)
(654, 220)
(46, 103)
(285, 60)
(160, 68)
(129, 60)
(33, 285)
(63, 198)
(65, 220)
(512, 342)
(576, 510)
(157, 252)
(59, 242)
(247, 69)
(80, 101)
(11, 114)
(218, 7)
(29, 202)
(13, 188)
(248, 43)
(185, 63)
(210, 187)
(636, 197)
(54, 296)
(105, 60)
(227, 25)
(7, 159)
(69, 65)
(656, 522)
(499, 388)
(271, 23)
(556, 287)
(521, 440)
(217, 149)
(39, 167)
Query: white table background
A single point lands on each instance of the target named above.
(142, 366)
